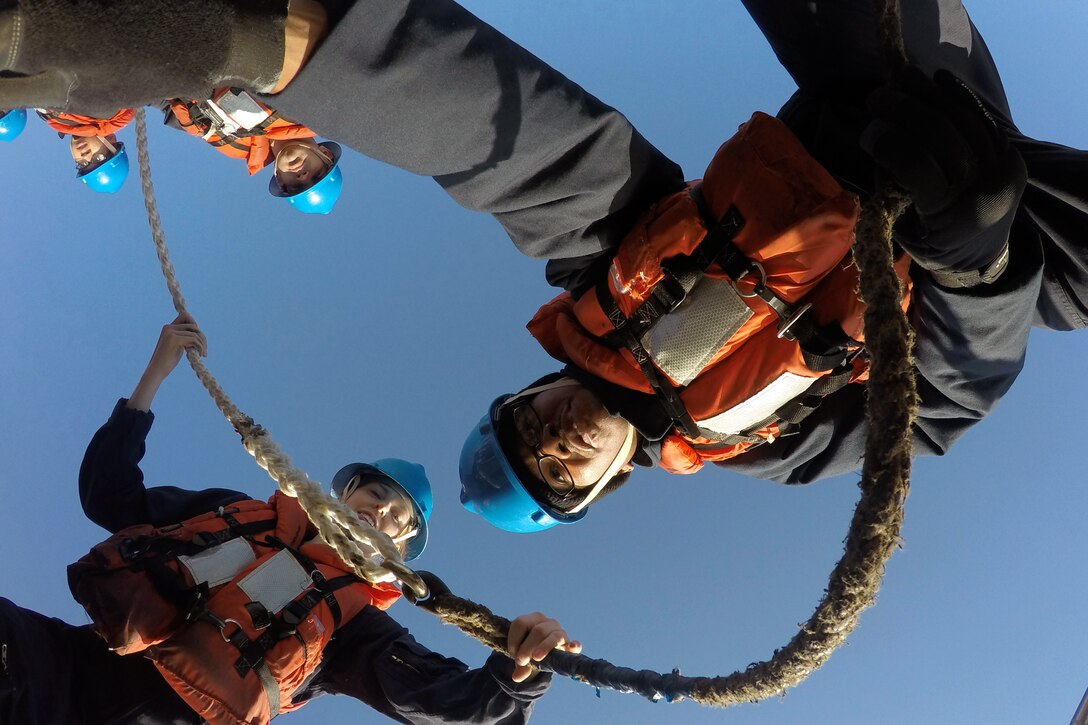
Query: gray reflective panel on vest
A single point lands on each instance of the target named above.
(219, 564)
(759, 407)
(683, 341)
(277, 582)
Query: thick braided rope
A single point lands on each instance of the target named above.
(355, 541)
(875, 527)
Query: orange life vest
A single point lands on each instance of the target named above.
(254, 145)
(75, 125)
(234, 607)
(733, 301)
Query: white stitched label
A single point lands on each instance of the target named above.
(219, 564)
(759, 407)
(277, 582)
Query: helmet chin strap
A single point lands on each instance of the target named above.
(537, 389)
(623, 455)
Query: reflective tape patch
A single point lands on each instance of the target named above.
(277, 582)
(219, 564)
(759, 407)
(684, 341)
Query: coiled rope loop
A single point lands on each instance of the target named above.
(874, 529)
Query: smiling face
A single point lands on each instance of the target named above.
(91, 151)
(383, 506)
(300, 163)
(574, 429)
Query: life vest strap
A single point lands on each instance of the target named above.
(664, 391)
(823, 347)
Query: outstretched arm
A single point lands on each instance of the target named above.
(111, 484)
(180, 335)
(375, 660)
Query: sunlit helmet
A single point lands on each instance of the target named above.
(321, 197)
(12, 124)
(410, 478)
(108, 176)
(491, 488)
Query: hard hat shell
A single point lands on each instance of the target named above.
(491, 488)
(12, 124)
(412, 481)
(321, 197)
(107, 177)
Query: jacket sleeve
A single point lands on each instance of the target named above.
(111, 484)
(500, 131)
(376, 661)
(969, 348)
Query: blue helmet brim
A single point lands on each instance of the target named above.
(491, 487)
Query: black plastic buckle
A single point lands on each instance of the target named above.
(131, 550)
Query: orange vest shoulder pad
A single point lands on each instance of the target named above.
(76, 125)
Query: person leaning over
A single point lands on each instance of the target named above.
(306, 173)
(209, 606)
(101, 160)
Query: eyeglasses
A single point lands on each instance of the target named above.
(99, 158)
(95, 160)
(531, 431)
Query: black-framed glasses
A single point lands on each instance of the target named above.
(531, 431)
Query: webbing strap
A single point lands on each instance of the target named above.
(664, 391)
(823, 347)
(681, 275)
(54, 116)
(252, 658)
(683, 272)
(297, 610)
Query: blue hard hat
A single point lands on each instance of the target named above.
(321, 197)
(412, 481)
(107, 177)
(12, 124)
(491, 487)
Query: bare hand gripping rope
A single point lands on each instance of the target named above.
(874, 530)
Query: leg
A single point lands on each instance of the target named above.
(52, 673)
(827, 45)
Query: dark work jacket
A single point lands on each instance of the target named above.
(371, 658)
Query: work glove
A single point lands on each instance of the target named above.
(938, 142)
(92, 57)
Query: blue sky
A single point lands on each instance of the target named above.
(386, 328)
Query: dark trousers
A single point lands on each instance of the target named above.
(53, 673)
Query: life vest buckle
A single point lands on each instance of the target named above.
(785, 325)
(758, 287)
(131, 549)
(223, 623)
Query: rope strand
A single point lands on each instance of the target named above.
(354, 541)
